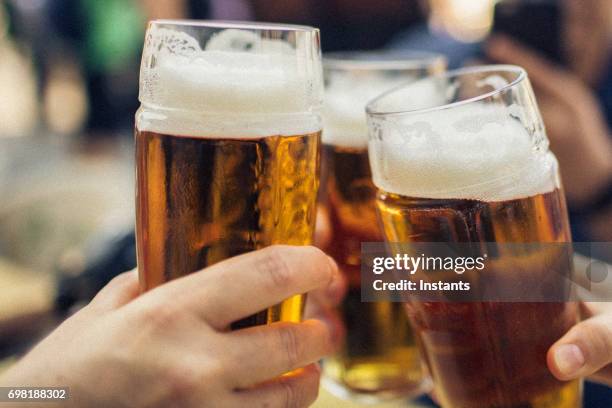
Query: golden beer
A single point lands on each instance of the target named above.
(202, 200)
(472, 367)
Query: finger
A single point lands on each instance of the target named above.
(331, 318)
(543, 74)
(332, 295)
(298, 389)
(584, 350)
(603, 376)
(261, 353)
(119, 291)
(590, 309)
(246, 284)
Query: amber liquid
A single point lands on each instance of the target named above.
(202, 200)
(488, 354)
(379, 356)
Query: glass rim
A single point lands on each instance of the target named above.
(249, 25)
(521, 76)
(381, 60)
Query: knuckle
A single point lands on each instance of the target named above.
(182, 380)
(290, 345)
(311, 392)
(599, 338)
(160, 314)
(290, 395)
(301, 393)
(274, 265)
(187, 378)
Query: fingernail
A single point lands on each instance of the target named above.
(569, 359)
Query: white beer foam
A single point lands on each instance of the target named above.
(187, 90)
(472, 151)
(344, 115)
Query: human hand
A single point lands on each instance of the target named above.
(576, 128)
(586, 350)
(171, 346)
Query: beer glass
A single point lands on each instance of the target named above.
(227, 146)
(474, 167)
(379, 358)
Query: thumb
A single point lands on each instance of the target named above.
(584, 350)
(121, 290)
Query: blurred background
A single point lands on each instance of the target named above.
(68, 94)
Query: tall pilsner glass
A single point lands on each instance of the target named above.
(227, 146)
(475, 168)
(379, 358)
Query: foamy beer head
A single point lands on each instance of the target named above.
(352, 79)
(230, 80)
(482, 138)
